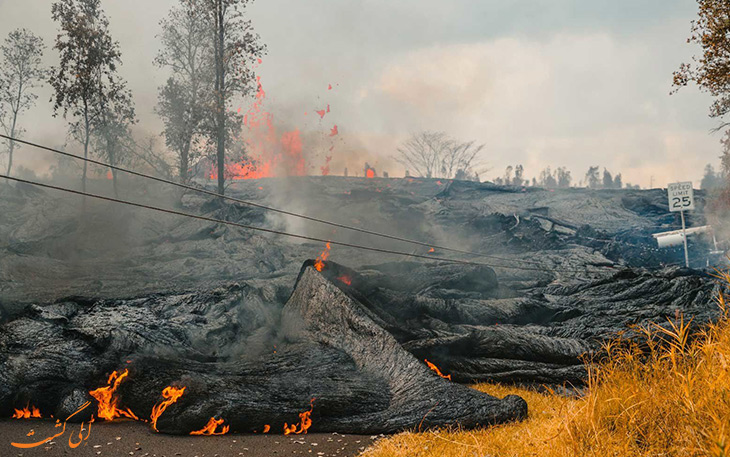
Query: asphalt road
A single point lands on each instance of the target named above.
(136, 439)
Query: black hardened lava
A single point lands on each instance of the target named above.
(240, 359)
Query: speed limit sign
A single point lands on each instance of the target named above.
(681, 197)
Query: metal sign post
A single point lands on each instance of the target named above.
(681, 198)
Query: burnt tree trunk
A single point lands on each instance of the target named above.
(220, 93)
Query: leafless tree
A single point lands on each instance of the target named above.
(422, 152)
(435, 154)
(459, 159)
(20, 72)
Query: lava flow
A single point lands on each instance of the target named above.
(319, 262)
(211, 426)
(436, 370)
(305, 421)
(346, 279)
(27, 412)
(108, 401)
(170, 395)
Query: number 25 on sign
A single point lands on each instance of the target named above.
(681, 198)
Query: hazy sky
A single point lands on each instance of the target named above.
(540, 82)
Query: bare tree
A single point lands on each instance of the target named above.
(435, 154)
(20, 72)
(423, 152)
(458, 160)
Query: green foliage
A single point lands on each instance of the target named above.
(21, 71)
(87, 87)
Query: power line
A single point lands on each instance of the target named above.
(276, 232)
(264, 207)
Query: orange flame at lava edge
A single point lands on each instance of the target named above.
(27, 412)
(211, 426)
(436, 370)
(267, 427)
(171, 394)
(370, 173)
(319, 262)
(108, 401)
(346, 279)
(305, 421)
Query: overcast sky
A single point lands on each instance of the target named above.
(540, 82)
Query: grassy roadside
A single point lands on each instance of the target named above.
(669, 397)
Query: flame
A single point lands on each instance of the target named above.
(436, 369)
(170, 395)
(109, 175)
(305, 421)
(370, 173)
(108, 401)
(431, 250)
(319, 263)
(271, 154)
(211, 426)
(346, 279)
(267, 427)
(27, 412)
(334, 131)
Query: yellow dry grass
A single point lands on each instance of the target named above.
(671, 397)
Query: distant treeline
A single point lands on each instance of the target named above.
(561, 178)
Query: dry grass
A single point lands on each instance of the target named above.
(669, 397)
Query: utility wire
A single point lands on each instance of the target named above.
(264, 207)
(276, 232)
